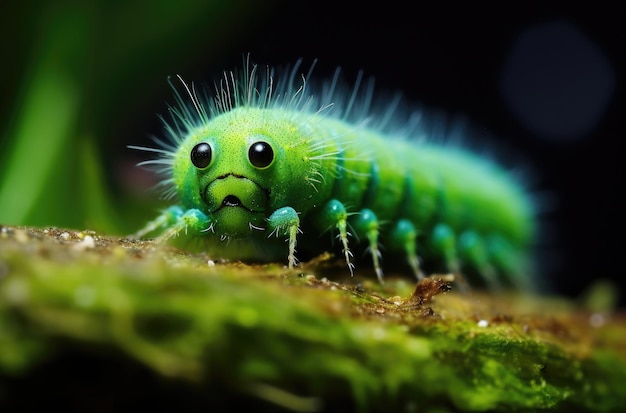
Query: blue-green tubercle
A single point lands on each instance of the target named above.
(266, 168)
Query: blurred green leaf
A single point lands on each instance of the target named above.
(87, 64)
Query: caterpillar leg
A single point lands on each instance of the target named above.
(334, 215)
(366, 224)
(285, 221)
(404, 238)
(168, 217)
(443, 242)
(507, 259)
(473, 252)
(175, 219)
(191, 220)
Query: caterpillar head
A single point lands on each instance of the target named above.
(240, 167)
(251, 149)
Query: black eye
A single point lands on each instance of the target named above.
(201, 155)
(261, 154)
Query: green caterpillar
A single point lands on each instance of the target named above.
(265, 166)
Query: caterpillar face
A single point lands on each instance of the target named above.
(235, 170)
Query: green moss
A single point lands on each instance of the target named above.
(253, 333)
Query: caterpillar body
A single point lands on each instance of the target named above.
(265, 166)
